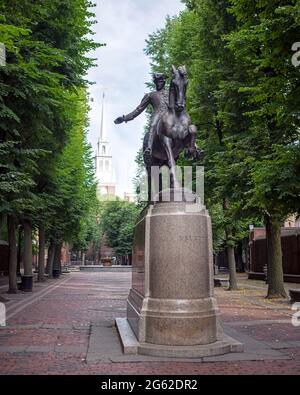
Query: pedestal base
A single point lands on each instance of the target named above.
(183, 322)
(171, 310)
(131, 346)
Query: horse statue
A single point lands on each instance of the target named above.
(174, 132)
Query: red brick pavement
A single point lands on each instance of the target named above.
(56, 326)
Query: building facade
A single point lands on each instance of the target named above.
(129, 197)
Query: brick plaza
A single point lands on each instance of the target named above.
(66, 326)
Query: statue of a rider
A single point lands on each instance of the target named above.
(171, 131)
(159, 101)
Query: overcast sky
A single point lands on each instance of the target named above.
(122, 71)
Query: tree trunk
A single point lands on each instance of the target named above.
(59, 261)
(57, 256)
(20, 231)
(27, 249)
(12, 271)
(230, 254)
(51, 253)
(48, 255)
(41, 262)
(274, 262)
(232, 269)
(2, 222)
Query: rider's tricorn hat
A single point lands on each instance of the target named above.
(159, 77)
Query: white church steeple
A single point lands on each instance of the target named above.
(103, 161)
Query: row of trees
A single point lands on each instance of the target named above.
(244, 97)
(46, 169)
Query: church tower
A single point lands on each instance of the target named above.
(106, 184)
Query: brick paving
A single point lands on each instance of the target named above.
(49, 331)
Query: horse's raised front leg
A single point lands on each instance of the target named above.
(193, 134)
(167, 143)
(193, 150)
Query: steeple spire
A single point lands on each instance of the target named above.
(103, 161)
(102, 137)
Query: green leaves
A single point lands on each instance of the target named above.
(244, 97)
(271, 87)
(46, 170)
(117, 222)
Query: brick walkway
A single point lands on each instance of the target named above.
(49, 331)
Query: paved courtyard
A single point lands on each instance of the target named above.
(66, 326)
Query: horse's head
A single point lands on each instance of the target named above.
(178, 85)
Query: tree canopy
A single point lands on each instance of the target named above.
(243, 96)
(117, 220)
(46, 169)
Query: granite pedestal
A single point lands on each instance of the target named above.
(171, 310)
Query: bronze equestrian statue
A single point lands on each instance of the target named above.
(171, 129)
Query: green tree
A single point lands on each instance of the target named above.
(244, 97)
(117, 222)
(40, 86)
(262, 42)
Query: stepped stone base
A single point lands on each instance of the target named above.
(131, 346)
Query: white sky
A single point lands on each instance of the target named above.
(123, 69)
